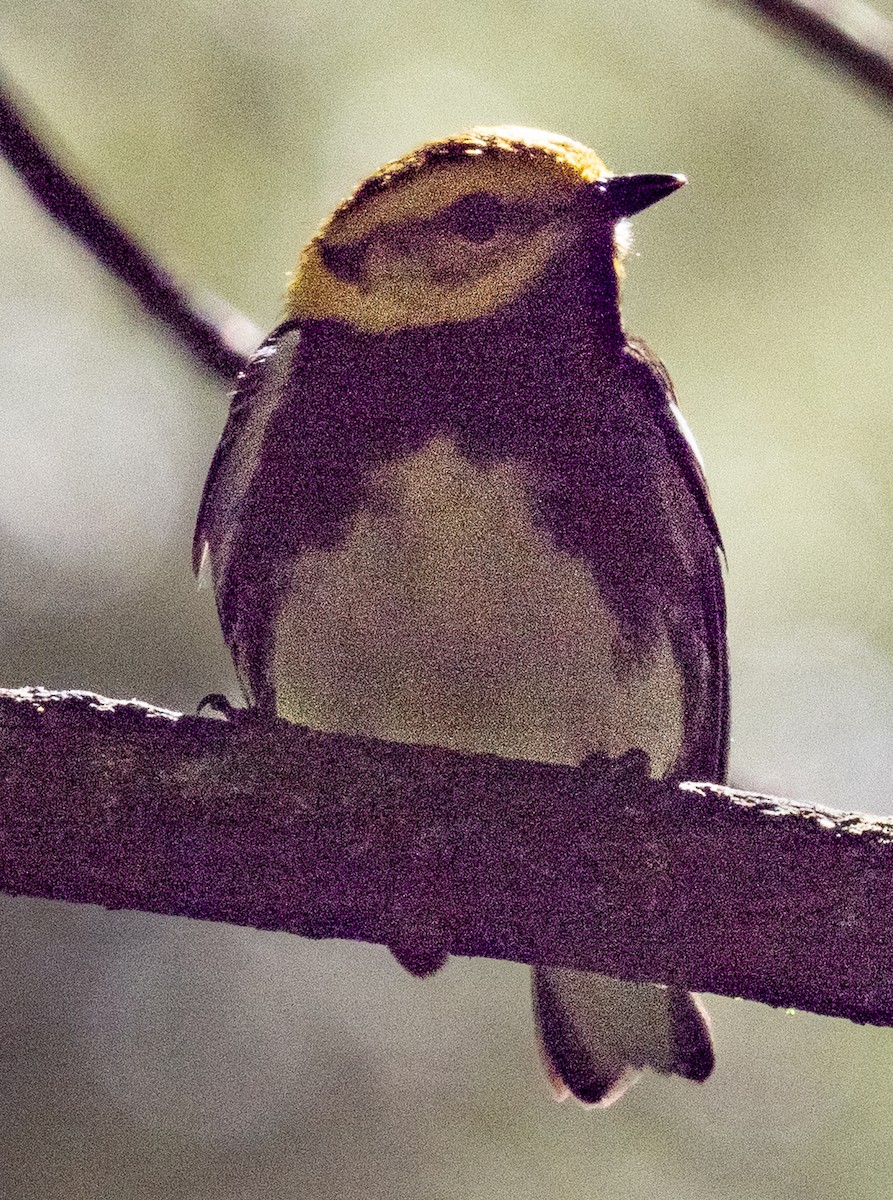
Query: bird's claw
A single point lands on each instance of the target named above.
(609, 773)
(218, 703)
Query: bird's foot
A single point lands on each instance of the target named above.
(218, 703)
(611, 773)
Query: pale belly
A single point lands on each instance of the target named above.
(448, 617)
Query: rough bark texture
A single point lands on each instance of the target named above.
(265, 824)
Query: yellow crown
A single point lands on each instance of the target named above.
(511, 163)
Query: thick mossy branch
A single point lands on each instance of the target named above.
(265, 824)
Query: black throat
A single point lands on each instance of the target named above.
(524, 366)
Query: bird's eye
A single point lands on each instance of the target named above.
(345, 261)
(477, 217)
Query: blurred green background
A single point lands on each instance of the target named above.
(157, 1058)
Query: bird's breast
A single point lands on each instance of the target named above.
(448, 616)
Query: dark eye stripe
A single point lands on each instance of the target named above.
(345, 261)
(476, 217)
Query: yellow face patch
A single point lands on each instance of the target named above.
(450, 280)
(414, 267)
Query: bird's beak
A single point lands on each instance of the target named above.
(624, 195)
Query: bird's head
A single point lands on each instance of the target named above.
(462, 226)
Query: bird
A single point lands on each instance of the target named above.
(455, 504)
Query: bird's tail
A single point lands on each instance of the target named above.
(596, 1033)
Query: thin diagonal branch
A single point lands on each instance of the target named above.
(848, 33)
(600, 868)
(220, 346)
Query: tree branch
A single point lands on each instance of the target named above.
(262, 823)
(847, 32)
(220, 346)
(850, 34)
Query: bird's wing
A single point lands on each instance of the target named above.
(626, 493)
(223, 520)
(699, 631)
(650, 539)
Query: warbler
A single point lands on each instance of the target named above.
(456, 504)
